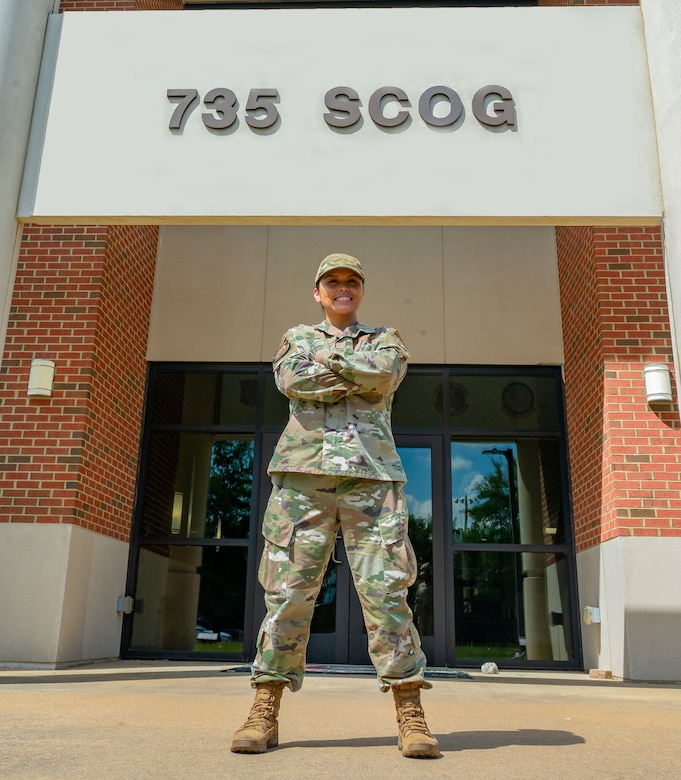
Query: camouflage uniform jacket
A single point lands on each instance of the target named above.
(340, 385)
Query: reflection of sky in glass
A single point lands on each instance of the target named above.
(418, 491)
(469, 467)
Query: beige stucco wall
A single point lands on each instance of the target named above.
(635, 581)
(64, 583)
(480, 295)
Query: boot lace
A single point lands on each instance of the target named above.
(412, 718)
(261, 715)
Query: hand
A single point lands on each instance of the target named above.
(371, 397)
(322, 356)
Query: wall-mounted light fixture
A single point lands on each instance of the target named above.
(40, 378)
(658, 383)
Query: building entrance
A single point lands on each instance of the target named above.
(489, 519)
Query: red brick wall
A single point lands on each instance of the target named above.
(116, 392)
(121, 5)
(588, 2)
(583, 376)
(82, 298)
(159, 5)
(97, 5)
(625, 456)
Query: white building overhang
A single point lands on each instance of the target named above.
(561, 131)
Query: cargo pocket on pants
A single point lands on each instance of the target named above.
(399, 557)
(278, 530)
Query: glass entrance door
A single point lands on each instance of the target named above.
(338, 634)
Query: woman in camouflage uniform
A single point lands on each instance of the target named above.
(336, 465)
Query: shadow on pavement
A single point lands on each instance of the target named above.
(456, 741)
(61, 678)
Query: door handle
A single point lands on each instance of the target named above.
(333, 553)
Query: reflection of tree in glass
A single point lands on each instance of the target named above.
(420, 596)
(490, 577)
(228, 509)
(489, 508)
(421, 537)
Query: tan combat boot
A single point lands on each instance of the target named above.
(415, 739)
(261, 730)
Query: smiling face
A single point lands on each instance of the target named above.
(340, 292)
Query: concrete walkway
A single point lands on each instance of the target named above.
(167, 720)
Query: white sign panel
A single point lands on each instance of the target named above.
(347, 115)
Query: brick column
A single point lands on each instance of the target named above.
(625, 456)
(68, 465)
(82, 298)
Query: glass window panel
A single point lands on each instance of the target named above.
(162, 502)
(230, 487)
(507, 492)
(198, 485)
(417, 463)
(551, 516)
(484, 493)
(418, 402)
(504, 402)
(276, 404)
(184, 398)
(190, 599)
(512, 606)
(238, 399)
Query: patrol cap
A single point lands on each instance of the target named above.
(339, 260)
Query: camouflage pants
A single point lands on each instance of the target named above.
(302, 518)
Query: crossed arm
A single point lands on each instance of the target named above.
(328, 376)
